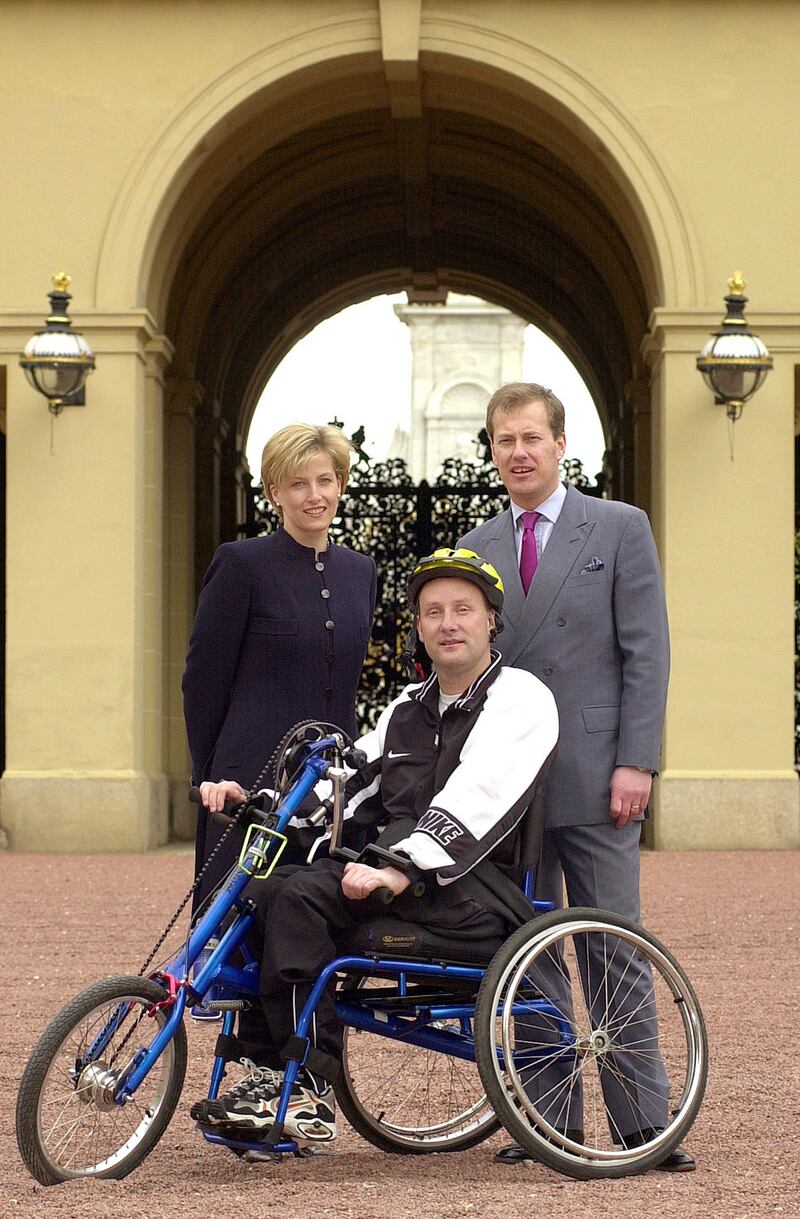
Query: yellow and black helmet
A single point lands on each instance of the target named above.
(462, 564)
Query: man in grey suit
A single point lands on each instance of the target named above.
(585, 613)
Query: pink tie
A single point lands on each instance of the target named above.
(528, 558)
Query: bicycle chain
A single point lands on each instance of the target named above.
(269, 766)
(276, 753)
(265, 770)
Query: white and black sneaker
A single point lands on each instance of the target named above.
(311, 1114)
(245, 1104)
(252, 1103)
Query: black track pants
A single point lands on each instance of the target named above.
(303, 922)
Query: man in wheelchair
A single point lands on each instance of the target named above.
(450, 771)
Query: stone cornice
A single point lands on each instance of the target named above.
(456, 312)
(116, 331)
(685, 330)
(676, 319)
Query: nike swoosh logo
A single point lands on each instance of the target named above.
(392, 754)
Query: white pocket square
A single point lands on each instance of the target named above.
(594, 564)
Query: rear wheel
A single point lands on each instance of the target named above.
(68, 1123)
(591, 1044)
(409, 1100)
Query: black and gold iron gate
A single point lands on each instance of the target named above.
(385, 514)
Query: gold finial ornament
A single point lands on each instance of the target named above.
(61, 281)
(737, 284)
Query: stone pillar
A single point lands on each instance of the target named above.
(232, 469)
(422, 380)
(84, 760)
(183, 396)
(212, 432)
(637, 397)
(723, 513)
(512, 346)
(151, 564)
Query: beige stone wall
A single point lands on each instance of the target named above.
(728, 777)
(94, 91)
(126, 125)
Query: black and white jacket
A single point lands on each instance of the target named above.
(466, 777)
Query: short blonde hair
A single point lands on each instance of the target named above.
(296, 444)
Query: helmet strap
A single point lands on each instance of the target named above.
(408, 652)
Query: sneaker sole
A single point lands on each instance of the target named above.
(213, 1113)
(305, 1130)
(309, 1132)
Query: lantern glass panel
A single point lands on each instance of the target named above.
(729, 383)
(56, 382)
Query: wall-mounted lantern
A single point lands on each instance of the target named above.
(57, 360)
(734, 362)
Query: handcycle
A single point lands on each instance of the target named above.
(442, 1045)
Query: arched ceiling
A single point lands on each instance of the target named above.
(281, 235)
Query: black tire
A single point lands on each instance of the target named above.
(408, 1100)
(68, 1125)
(549, 1064)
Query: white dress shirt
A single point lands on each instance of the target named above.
(549, 511)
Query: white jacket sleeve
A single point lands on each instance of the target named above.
(491, 788)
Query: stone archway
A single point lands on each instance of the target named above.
(298, 82)
(228, 229)
(345, 162)
(396, 144)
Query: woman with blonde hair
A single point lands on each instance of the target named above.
(282, 626)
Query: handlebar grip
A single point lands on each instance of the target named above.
(222, 818)
(355, 757)
(386, 895)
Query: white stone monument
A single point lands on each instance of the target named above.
(461, 352)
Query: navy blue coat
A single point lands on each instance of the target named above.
(269, 648)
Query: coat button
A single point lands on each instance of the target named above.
(547, 671)
(319, 566)
(325, 592)
(329, 625)
(562, 621)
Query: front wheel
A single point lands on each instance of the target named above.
(68, 1123)
(591, 1044)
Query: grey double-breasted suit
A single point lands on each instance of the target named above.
(593, 628)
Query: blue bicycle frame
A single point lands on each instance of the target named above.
(242, 982)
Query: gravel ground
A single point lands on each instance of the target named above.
(730, 918)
